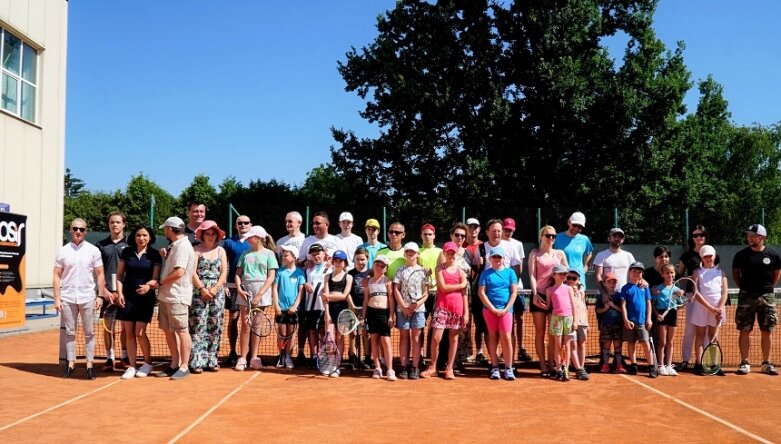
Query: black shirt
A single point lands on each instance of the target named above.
(109, 252)
(756, 269)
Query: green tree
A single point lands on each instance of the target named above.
(200, 190)
(136, 202)
(92, 207)
(73, 185)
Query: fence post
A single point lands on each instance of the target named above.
(384, 225)
(463, 215)
(763, 217)
(151, 210)
(615, 217)
(539, 219)
(686, 226)
(231, 210)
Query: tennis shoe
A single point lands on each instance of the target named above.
(377, 374)
(166, 373)
(91, 373)
(582, 374)
(289, 362)
(109, 365)
(144, 371)
(744, 368)
(414, 374)
(605, 368)
(255, 363)
(662, 371)
(391, 375)
(683, 365)
(632, 370)
(620, 368)
(769, 369)
(653, 371)
(241, 364)
(494, 373)
(130, 373)
(509, 374)
(404, 373)
(335, 374)
(671, 371)
(68, 372)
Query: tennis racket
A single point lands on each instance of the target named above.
(328, 355)
(109, 321)
(679, 300)
(654, 361)
(259, 322)
(711, 357)
(414, 287)
(347, 322)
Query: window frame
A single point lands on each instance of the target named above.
(24, 50)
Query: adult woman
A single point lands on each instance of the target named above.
(206, 311)
(653, 275)
(690, 261)
(541, 263)
(137, 275)
(458, 234)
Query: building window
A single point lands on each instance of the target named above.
(18, 76)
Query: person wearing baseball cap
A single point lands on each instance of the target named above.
(576, 245)
(707, 312)
(636, 310)
(337, 285)
(379, 311)
(611, 330)
(756, 270)
(372, 244)
(350, 241)
(614, 259)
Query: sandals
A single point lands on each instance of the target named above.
(197, 370)
(241, 364)
(216, 368)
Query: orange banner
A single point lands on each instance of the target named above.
(12, 262)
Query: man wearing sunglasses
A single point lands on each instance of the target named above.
(76, 269)
(575, 245)
(234, 248)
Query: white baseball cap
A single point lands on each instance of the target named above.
(257, 231)
(346, 216)
(412, 246)
(472, 221)
(173, 222)
(290, 249)
(578, 218)
(707, 250)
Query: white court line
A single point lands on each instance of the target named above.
(62, 404)
(700, 411)
(212, 409)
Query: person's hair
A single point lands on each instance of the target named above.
(297, 216)
(361, 250)
(324, 215)
(399, 224)
(660, 250)
(177, 230)
(491, 222)
(269, 243)
(196, 203)
(669, 267)
(698, 228)
(458, 225)
(78, 219)
(117, 213)
(132, 237)
(544, 229)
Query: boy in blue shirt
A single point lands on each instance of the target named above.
(636, 309)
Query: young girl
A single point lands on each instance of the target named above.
(708, 312)
(581, 327)
(451, 310)
(286, 295)
(562, 298)
(410, 310)
(498, 288)
(255, 275)
(379, 311)
(611, 330)
(355, 301)
(313, 303)
(667, 325)
(338, 284)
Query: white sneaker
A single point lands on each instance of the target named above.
(289, 362)
(671, 371)
(144, 371)
(391, 375)
(130, 373)
(335, 374)
(509, 374)
(662, 371)
(377, 374)
(255, 363)
(744, 368)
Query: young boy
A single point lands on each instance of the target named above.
(314, 319)
(636, 310)
(286, 296)
(611, 331)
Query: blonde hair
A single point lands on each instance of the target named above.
(544, 229)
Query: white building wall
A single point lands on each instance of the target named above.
(32, 155)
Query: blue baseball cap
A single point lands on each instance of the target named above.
(497, 251)
(339, 254)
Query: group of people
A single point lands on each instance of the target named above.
(305, 282)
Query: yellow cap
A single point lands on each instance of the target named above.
(372, 223)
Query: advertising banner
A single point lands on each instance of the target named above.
(12, 264)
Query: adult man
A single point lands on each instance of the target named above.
(350, 241)
(756, 269)
(394, 251)
(196, 213)
(372, 244)
(294, 238)
(175, 297)
(576, 246)
(508, 229)
(613, 259)
(234, 248)
(329, 242)
(110, 247)
(76, 268)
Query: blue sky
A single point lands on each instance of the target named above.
(176, 88)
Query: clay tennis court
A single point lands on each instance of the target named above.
(296, 406)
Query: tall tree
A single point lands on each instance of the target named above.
(73, 185)
(136, 202)
(200, 190)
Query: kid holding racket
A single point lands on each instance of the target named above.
(313, 303)
(410, 288)
(379, 312)
(337, 285)
(711, 296)
(610, 331)
(665, 324)
(286, 295)
(562, 299)
(636, 310)
(360, 274)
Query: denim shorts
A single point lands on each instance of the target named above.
(417, 320)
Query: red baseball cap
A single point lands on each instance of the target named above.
(509, 224)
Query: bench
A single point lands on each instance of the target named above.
(43, 303)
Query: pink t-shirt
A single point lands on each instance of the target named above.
(543, 264)
(452, 302)
(562, 305)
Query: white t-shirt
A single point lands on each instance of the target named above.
(330, 243)
(78, 264)
(295, 242)
(512, 255)
(618, 263)
(350, 242)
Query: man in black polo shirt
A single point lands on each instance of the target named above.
(110, 248)
(756, 270)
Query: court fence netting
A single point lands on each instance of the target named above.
(268, 349)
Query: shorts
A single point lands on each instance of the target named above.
(560, 325)
(334, 308)
(287, 318)
(611, 333)
(519, 306)
(759, 306)
(670, 319)
(173, 316)
(494, 323)
(580, 333)
(639, 333)
(377, 321)
(444, 319)
(535, 309)
(312, 320)
(252, 288)
(417, 320)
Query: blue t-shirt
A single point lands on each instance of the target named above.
(289, 282)
(372, 249)
(662, 299)
(497, 285)
(575, 249)
(636, 299)
(611, 316)
(234, 248)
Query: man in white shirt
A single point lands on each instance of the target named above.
(329, 242)
(295, 238)
(350, 241)
(76, 268)
(613, 259)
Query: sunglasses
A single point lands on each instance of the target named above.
(459, 235)
(241, 222)
(549, 236)
(579, 227)
(395, 232)
(79, 229)
(698, 235)
(572, 278)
